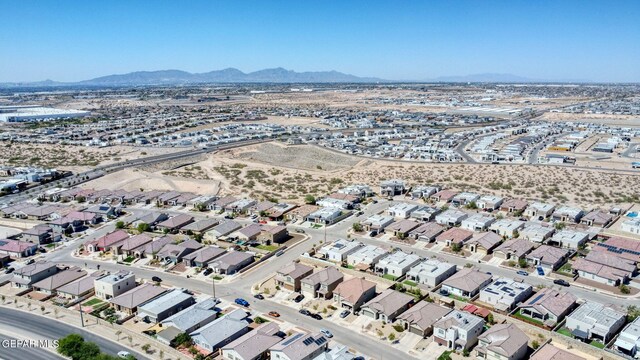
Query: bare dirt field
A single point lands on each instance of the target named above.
(71, 157)
(604, 119)
(288, 173)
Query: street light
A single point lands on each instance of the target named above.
(213, 285)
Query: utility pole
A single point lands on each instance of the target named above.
(325, 232)
(213, 285)
(81, 319)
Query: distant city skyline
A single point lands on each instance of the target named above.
(543, 40)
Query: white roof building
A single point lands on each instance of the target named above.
(431, 272)
(338, 250)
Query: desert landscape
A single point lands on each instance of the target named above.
(277, 171)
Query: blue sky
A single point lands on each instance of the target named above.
(399, 40)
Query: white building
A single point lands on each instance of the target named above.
(594, 321)
(628, 342)
(477, 222)
(396, 264)
(112, 285)
(366, 257)
(451, 217)
(338, 250)
(538, 211)
(401, 210)
(458, 330)
(631, 225)
(431, 272)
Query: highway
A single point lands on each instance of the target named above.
(40, 327)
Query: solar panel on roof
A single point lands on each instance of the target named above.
(308, 341)
(292, 339)
(535, 299)
(321, 340)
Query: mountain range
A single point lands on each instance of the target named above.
(275, 75)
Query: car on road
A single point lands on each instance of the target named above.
(298, 298)
(30, 261)
(561, 282)
(489, 273)
(124, 354)
(305, 312)
(242, 302)
(9, 270)
(274, 314)
(259, 296)
(300, 231)
(156, 279)
(344, 314)
(207, 271)
(540, 271)
(522, 272)
(326, 333)
(316, 316)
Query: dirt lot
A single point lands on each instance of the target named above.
(71, 157)
(291, 172)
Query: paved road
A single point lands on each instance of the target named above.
(45, 328)
(241, 287)
(632, 149)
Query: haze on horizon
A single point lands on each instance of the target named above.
(546, 40)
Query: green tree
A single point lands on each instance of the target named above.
(445, 356)
(70, 345)
(560, 225)
(633, 312)
(120, 225)
(456, 247)
(522, 263)
(624, 289)
(142, 227)
(309, 199)
(357, 227)
(182, 339)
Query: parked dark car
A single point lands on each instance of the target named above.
(156, 279)
(561, 282)
(299, 298)
(258, 296)
(316, 316)
(522, 273)
(9, 270)
(444, 292)
(30, 261)
(373, 233)
(344, 314)
(207, 271)
(305, 312)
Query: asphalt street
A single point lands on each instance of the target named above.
(242, 286)
(40, 327)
